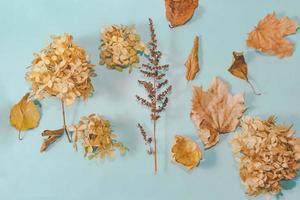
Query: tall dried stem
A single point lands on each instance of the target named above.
(157, 96)
(64, 120)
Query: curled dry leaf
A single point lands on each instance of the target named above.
(267, 154)
(186, 152)
(97, 138)
(268, 36)
(120, 47)
(215, 111)
(52, 136)
(63, 70)
(239, 68)
(178, 12)
(24, 115)
(192, 64)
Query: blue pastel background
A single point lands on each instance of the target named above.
(63, 174)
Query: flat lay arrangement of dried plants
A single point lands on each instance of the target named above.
(62, 70)
(97, 137)
(24, 115)
(178, 12)
(268, 36)
(186, 152)
(216, 111)
(192, 63)
(239, 68)
(120, 47)
(157, 87)
(267, 153)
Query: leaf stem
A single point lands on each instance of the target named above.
(253, 89)
(19, 136)
(64, 120)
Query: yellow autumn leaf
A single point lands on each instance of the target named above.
(24, 115)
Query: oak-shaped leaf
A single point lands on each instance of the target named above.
(268, 36)
(186, 152)
(178, 12)
(192, 63)
(216, 111)
(24, 115)
(239, 68)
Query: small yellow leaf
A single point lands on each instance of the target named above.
(24, 115)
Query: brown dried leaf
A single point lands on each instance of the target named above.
(192, 64)
(178, 12)
(24, 115)
(269, 34)
(239, 68)
(215, 111)
(186, 152)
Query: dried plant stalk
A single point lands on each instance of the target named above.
(157, 96)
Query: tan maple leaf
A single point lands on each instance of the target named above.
(178, 12)
(269, 34)
(192, 63)
(216, 111)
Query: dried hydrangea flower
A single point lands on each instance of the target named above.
(62, 69)
(120, 47)
(186, 152)
(97, 138)
(267, 154)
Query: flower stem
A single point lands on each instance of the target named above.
(155, 152)
(64, 120)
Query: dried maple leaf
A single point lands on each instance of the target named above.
(186, 152)
(215, 111)
(239, 68)
(192, 64)
(178, 12)
(24, 115)
(269, 34)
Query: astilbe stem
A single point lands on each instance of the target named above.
(157, 99)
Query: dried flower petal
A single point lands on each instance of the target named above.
(120, 47)
(186, 152)
(269, 34)
(97, 138)
(216, 111)
(62, 69)
(266, 153)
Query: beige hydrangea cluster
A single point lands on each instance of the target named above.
(97, 138)
(120, 47)
(267, 154)
(62, 69)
